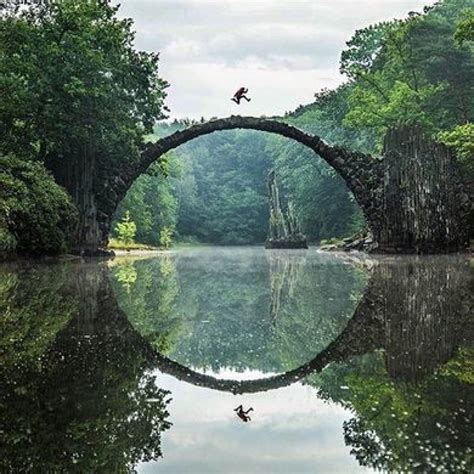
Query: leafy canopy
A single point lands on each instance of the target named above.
(72, 83)
(412, 70)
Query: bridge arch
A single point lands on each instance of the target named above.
(367, 319)
(362, 173)
(413, 197)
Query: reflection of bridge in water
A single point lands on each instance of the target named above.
(86, 389)
(413, 308)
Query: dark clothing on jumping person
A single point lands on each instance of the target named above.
(240, 94)
(243, 415)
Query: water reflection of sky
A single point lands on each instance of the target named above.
(292, 431)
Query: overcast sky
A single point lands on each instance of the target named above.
(282, 50)
(292, 430)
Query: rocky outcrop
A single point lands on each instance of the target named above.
(283, 227)
(425, 206)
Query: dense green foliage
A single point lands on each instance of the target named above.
(72, 83)
(74, 90)
(414, 71)
(399, 426)
(465, 28)
(461, 138)
(25, 336)
(152, 203)
(36, 215)
(222, 194)
(75, 394)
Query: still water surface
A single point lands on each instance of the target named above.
(350, 364)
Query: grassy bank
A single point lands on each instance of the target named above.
(116, 244)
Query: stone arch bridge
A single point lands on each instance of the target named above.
(412, 197)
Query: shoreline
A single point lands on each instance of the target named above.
(123, 252)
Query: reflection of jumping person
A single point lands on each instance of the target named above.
(243, 415)
(240, 94)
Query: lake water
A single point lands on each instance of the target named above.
(350, 363)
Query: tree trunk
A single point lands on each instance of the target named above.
(78, 177)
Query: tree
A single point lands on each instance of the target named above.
(76, 95)
(126, 230)
(72, 83)
(152, 201)
(465, 28)
(36, 215)
(411, 71)
(461, 139)
(166, 237)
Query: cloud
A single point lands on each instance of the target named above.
(284, 51)
(206, 88)
(292, 430)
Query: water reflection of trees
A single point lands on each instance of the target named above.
(78, 393)
(412, 399)
(79, 398)
(269, 312)
(150, 302)
(402, 363)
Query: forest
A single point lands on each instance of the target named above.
(56, 121)
(418, 70)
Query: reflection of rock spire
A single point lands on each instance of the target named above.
(283, 228)
(285, 274)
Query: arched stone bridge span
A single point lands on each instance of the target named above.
(362, 173)
(412, 197)
(367, 320)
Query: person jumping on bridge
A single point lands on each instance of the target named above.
(240, 94)
(243, 415)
